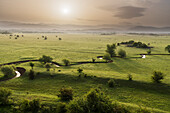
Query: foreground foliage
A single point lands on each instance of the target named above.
(8, 71)
(4, 96)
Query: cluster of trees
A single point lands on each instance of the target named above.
(16, 36)
(95, 101)
(45, 60)
(110, 52)
(132, 43)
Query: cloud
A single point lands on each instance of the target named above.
(90, 20)
(129, 12)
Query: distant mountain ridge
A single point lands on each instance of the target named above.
(150, 28)
(41, 27)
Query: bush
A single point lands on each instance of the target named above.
(48, 66)
(45, 59)
(66, 62)
(111, 83)
(66, 94)
(8, 71)
(122, 53)
(157, 76)
(129, 76)
(167, 48)
(31, 75)
(149, 51)
(4, 96)
(107, 57)
(80, 70)
(30, 106)
(94, 102)
(93, 60)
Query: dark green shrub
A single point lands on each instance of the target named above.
(32, 65)
(122, 53)
(149, 51)
(31, 75)
(61, 108)
(157, 76)
(143, 45)
(129, 76)
(30, 106)
(80, 70)
(66, 94)
(111, 83)
(66, 62)
(93, 60)
(8, 71)
(45, 59)
(48, 66)
(167, 48)
(4, 96)
(107, 57)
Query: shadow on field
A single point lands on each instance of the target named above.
(87, 62)
(153, 54)
(72, 81)
(147, 87)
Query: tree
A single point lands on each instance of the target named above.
(66, 94)
(107, 57)
(80, 70)
(8, 71)
(167, 48)
(122, 53)
(149, 51)
(93, 60)
(45, 59)
(111, 49)
(4, 96)
(66, 62)
(157, 76)
(32, 65)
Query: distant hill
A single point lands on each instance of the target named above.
(150, 29)
(106, 28)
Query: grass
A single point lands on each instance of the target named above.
(83, 47)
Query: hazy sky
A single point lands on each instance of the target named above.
(87, 12)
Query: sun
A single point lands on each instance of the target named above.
(66, 11)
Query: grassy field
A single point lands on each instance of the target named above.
(83, 47)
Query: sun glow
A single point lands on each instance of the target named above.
(65, 11)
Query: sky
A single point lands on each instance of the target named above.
(88, 12)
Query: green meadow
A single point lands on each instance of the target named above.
(141, 92)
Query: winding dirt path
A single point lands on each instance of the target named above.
(18, 74)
